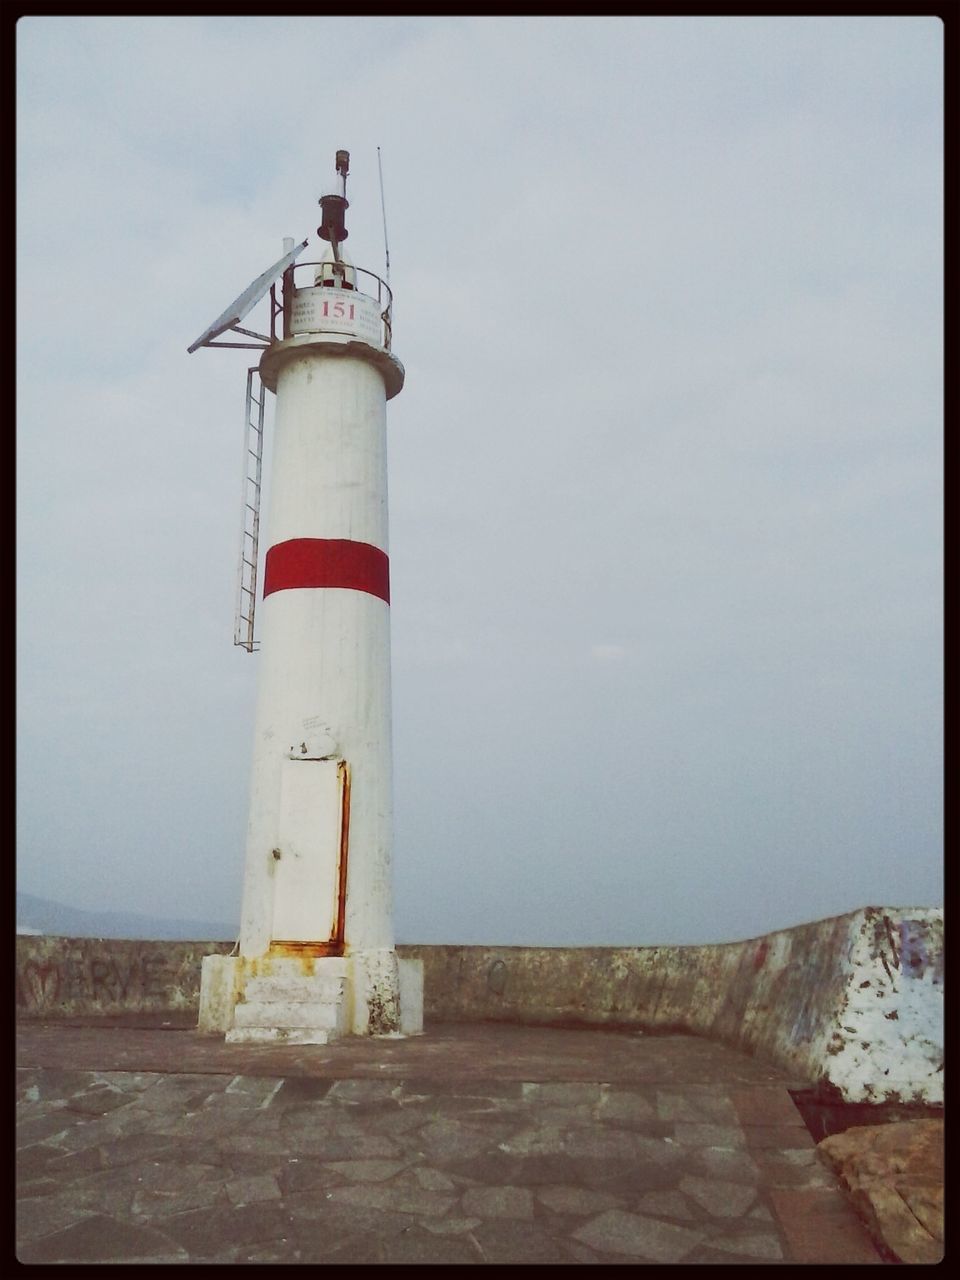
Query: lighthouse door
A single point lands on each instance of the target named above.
(310, 857)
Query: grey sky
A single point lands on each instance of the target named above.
(665, 477)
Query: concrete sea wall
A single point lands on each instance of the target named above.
(83, 977)
(854, 1002)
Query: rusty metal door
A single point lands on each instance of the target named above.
(310, 857)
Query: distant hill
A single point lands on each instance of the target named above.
(40, 915)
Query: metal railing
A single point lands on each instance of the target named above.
(368, 285)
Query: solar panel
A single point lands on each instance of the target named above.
(248, 299)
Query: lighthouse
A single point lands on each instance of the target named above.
(316, 955)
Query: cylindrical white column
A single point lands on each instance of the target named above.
(324, 679)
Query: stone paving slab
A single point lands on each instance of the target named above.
(490, 1144)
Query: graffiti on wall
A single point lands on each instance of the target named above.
(57, 977)
(45, 984)
(921, 949)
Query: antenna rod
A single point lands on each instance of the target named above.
(386, 247)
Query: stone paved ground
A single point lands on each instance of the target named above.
(470, 1144)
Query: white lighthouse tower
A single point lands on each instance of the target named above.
(316, 949)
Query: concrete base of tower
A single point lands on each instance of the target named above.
(310, 1000)
(220, 978)
(411, 997)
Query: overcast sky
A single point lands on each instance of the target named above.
(665, 477)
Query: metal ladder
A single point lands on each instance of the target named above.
(250, 512)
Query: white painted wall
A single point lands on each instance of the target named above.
(887, 1039)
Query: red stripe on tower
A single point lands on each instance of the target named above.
(327, 562)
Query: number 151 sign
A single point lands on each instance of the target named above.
(324, 310)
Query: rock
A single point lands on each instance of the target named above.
(926, 1204)
(894, 1173)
